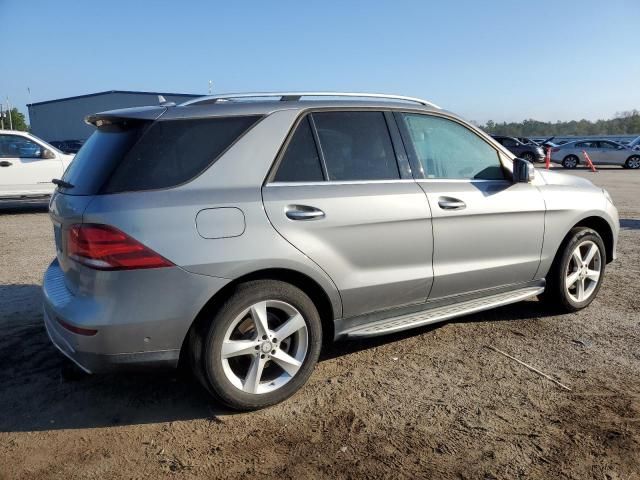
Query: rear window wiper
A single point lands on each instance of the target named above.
(62, 183)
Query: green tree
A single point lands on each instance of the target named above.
(624, 123)
(17, 120)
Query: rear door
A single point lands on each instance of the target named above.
(339, 195)
(487, 230)
(24, 166)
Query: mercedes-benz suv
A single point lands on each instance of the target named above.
(234, 233)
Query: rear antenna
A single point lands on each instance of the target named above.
(163, 102)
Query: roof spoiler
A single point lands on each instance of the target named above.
(124, 114)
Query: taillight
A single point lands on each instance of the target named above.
(106, 248)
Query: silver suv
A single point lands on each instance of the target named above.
(233, 233)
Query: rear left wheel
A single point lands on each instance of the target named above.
(261, 346)
(570, 161)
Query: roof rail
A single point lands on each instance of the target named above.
(296, 96)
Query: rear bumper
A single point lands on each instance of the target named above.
(99, 363)
(140, 324)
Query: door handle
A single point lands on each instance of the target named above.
(5, 163)
(302, 212)
(447, 203)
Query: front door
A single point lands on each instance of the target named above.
(487, 230)
(339, 197)
(23, 170)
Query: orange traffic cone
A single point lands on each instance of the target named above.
(589, 162)
(547, 158)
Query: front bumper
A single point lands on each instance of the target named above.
(140, 324)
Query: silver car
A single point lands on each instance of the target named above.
(235, 233)
(601, 152)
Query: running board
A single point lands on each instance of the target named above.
(439, 314)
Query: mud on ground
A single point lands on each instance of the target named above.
(429, 403)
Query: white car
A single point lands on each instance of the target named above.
(28, 164)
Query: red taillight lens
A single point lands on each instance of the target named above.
(77, 330)
(106, 248)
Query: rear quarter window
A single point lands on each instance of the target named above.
(173, 152)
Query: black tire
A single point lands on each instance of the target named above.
(528, 156)
(555, 294)
(633, 162)
(570, 161)
(206, 343)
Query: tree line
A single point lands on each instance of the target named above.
(624, 123)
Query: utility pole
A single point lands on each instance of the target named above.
(210, 86)
(1, 117)
(9, 112)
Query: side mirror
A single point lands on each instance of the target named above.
(523, 171)
(47, 154)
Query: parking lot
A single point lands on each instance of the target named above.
(434, 402)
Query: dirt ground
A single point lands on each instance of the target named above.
(430, 403)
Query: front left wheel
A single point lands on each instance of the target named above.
(577, 271)
(260, 346)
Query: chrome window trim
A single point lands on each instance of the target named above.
(338, 182)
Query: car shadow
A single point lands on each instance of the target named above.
(629, 224)
(42, 391)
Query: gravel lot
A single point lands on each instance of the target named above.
(429, 403)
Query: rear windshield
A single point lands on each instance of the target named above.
(142, 155)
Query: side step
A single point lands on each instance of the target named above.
(439, 314)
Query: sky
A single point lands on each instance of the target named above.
(498, 60)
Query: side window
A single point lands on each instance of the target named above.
(509, 142)
(446, 149)
(12, 146)
(300, 162)
(356, 146)
(609, 145)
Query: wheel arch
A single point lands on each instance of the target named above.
(308, 285)
(603, 228)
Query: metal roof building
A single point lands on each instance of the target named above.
(63, 118)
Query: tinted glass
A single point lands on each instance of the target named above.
(99, 155)
(173, 152)
(300, 162)
(447, 149)
(356, 145)
(145, 156)
(509, 142)
(15, 146)
(609, 145)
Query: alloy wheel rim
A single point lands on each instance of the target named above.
(264, 347)
(571, 162)
(634, 162)
(583, 271)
